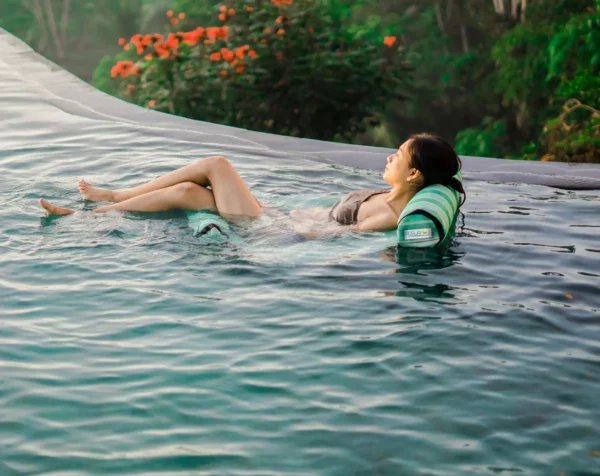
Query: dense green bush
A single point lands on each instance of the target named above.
(286, 67)
(574, 136)
(541, 67)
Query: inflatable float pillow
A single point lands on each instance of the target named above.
(210, 225)
(429, 217)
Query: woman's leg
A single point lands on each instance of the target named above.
(232, 195)
(184, 196)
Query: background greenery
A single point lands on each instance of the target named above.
(499, 78)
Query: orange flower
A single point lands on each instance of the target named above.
(281, 31)
(158, 37)
(122, 68)
(147, 40)
(172, 41)
(228, 55)
(174, 21)
(136, 71)
(162, 50)
(224, 74)
(222, 8)
(140, 50)
(282, 2)
(279, 19)
(212, 32)
(215, 56)
(215, 32)
(231, 12)
(249, 9)
(222, 17)
(191, 37)
(151, 103)
(264, 40)
(130, 88)
(240, 53)
(240, 68)
(279, 56)
(136, 39)
(267, 30)
(148, 57)
(389, 41)
(182, 16)
(252, 54)
(126, 47)
(170, 13)
(122, 41)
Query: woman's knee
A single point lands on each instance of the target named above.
(185, 189)
(191, 196)
(221, 163)
(218, 168)
(218, 161)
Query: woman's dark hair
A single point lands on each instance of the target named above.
(436, 160)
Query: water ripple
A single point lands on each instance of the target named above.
(129, 346)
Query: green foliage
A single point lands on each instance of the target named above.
(199, 12)
(102, 79)
(574, 58)
(310, 76)
(575, 42)
(15, 18)
(552, 57)
(584, 86)
(450, 86)
(484, 142)
(575, 135)
(77, 34)
(495, 83)
(521, 62)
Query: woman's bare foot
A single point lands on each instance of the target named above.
(95, 194)
(54, 210)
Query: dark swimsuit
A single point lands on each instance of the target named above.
(345, 212)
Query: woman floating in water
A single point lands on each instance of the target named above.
(422, 160)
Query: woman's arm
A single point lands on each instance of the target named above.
(338, 232)
(379, 222)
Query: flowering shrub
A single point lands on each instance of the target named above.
(283, 66)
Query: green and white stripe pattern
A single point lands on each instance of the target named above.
(417, 223)
(201, 221)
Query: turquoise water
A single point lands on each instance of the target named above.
(129, 346)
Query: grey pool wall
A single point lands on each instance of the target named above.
(67, 92)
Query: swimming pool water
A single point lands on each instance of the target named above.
(129, 346)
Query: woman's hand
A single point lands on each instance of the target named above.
(311, 235)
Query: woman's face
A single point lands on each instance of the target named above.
(397, 170)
